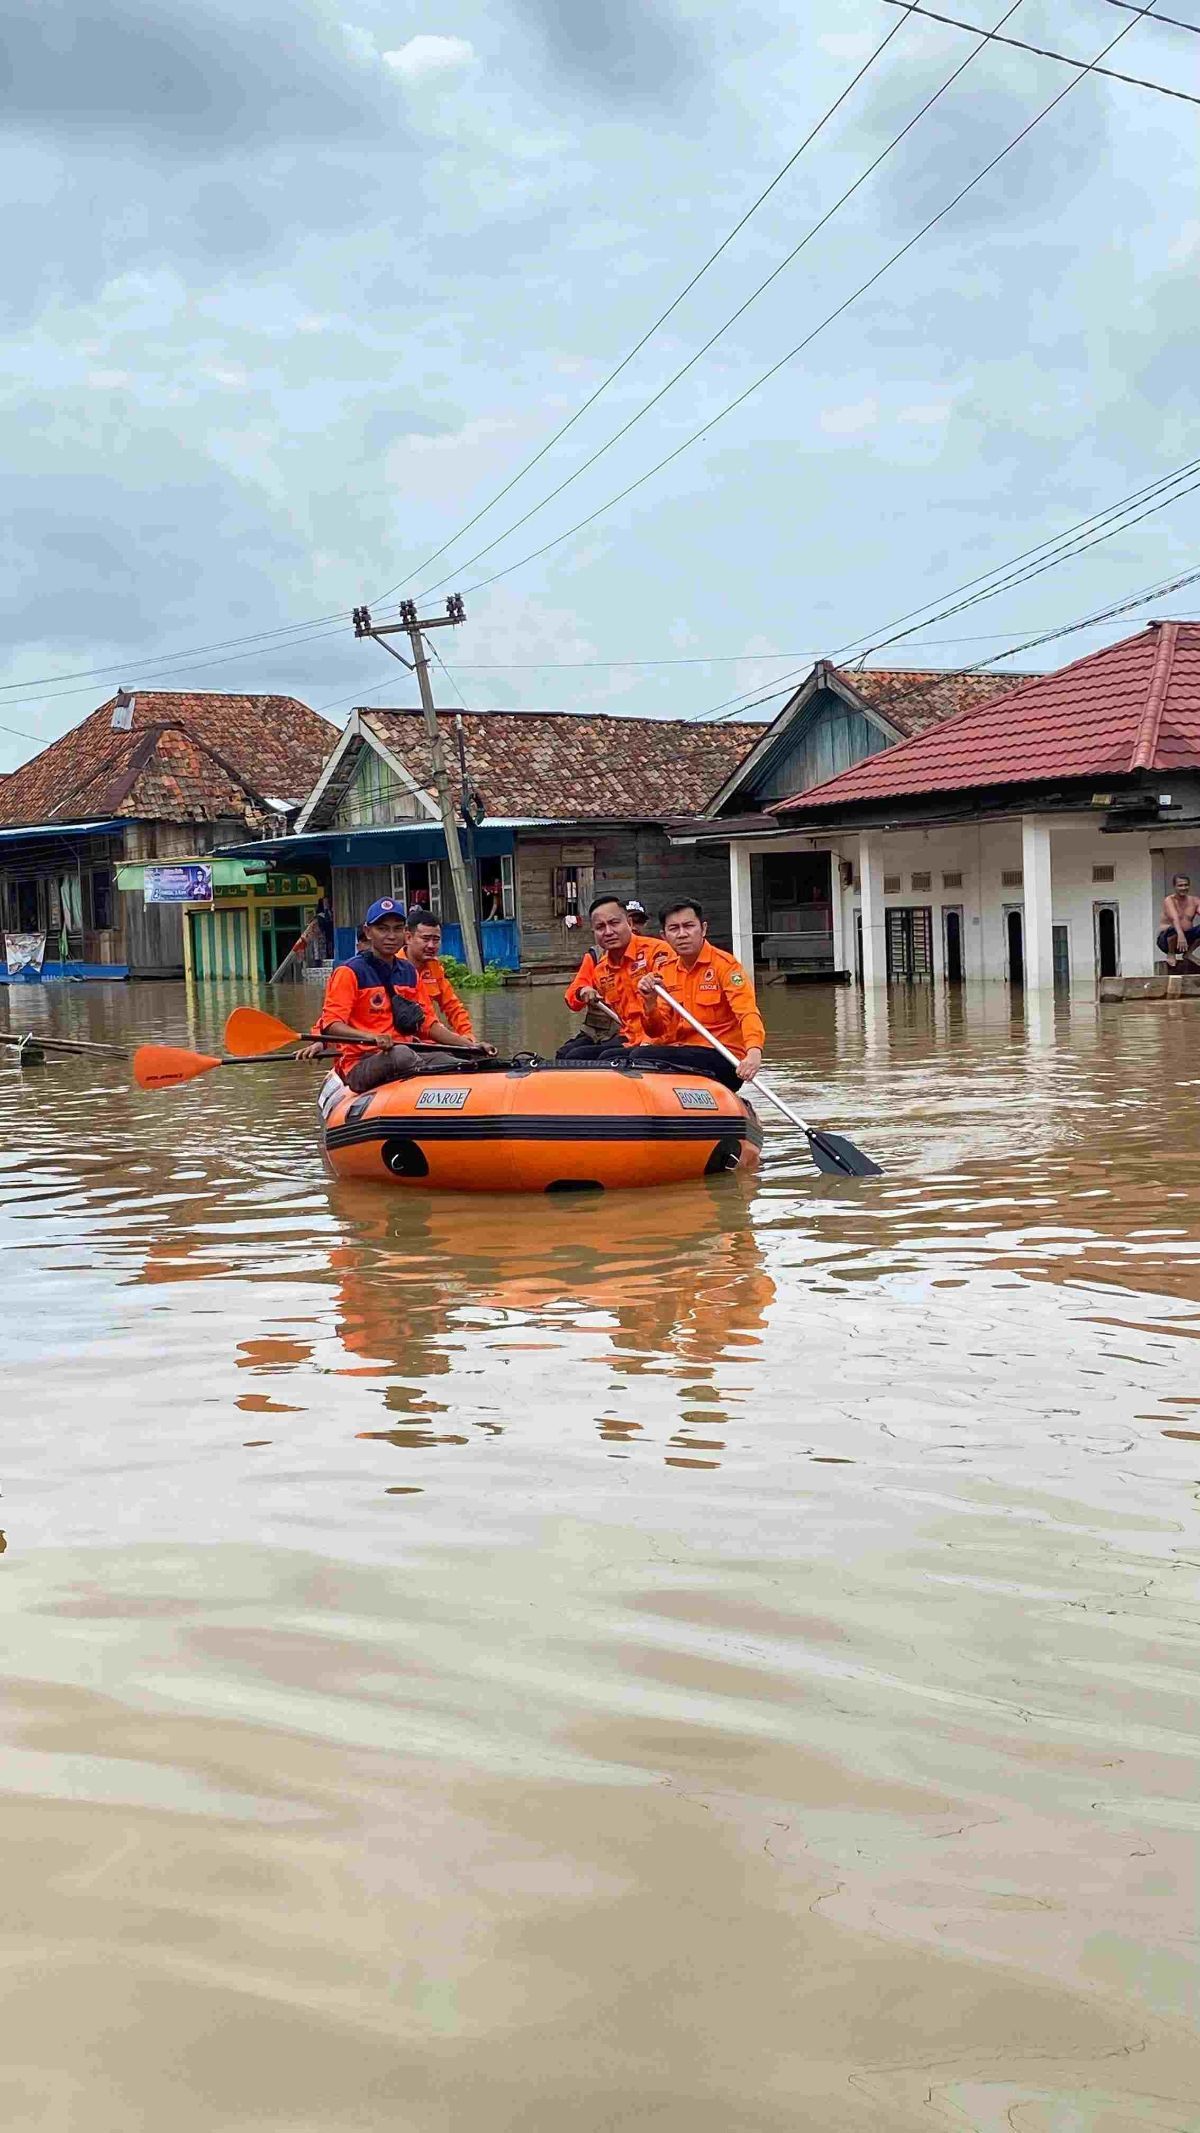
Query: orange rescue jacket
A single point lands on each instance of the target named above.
(354, 994)
(439, 995)
(718, 992)
(617, 982)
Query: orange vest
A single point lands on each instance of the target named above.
(354, 995)
(719, 993)
(617, 982)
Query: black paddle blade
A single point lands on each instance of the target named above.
(831, 1152)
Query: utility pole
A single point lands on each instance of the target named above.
(412, 628)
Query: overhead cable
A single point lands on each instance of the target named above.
(892, 260)
(420, 568)
(1134, 81)
(734, 316)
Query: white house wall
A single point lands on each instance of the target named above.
(982, 853)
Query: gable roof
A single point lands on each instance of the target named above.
(900, 701)
(557, 766)
(1133, 706)
(187, 757)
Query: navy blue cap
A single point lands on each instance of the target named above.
(385, 907)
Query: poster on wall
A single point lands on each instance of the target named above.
(179, 885)
(24, 951)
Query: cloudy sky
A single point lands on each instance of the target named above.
(292, 289)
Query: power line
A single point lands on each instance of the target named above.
(829, 320)
(1173, 20)
(732, 320)
(1083, 525)
(648, 335)
(1022, 577)
(131, 665)
(1135, 81)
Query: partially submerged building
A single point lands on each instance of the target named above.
(568, 805)
(163, 775)
(1028, 839)
(786, 893)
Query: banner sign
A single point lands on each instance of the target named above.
(179, 885)
(24, 951)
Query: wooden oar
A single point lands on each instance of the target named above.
(250, 1032)
(831, 1152)
(166, 1066)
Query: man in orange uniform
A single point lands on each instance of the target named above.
(372, 1002)
(611, 975)
(424, 945)
(712, 985)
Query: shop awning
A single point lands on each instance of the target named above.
(49, 832)
(377, 845)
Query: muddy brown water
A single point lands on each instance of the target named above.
(699, 1662)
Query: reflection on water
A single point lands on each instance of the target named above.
(682, 1661)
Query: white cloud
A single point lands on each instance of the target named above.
(929, 413)
(852, 420)
(108, 381)
(429, 55)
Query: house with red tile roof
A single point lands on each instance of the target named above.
(837, 717)
(1029, 838)
(563, 805)
(162, 775)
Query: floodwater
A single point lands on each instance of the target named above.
(705, 1662)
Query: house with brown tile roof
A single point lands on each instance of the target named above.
(161, 774)
(565, 805)
(837, 717)
(1028, 839)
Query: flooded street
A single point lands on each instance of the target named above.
(693, 1662)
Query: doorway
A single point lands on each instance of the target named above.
(909, 943)
(1108, 940)
(952, 940)
(1014, 937)
(280, 927)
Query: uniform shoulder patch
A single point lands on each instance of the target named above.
(736, 978)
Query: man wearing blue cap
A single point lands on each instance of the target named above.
(373, 1002)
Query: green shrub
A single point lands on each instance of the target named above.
(491, 977)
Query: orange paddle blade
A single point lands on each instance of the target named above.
(250, 1030)
(164, 1066)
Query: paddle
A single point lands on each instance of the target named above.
(831, 1152)
(166, 1066)
(250, 1032)
(62, 1044)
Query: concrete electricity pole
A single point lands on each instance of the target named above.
(409, 626)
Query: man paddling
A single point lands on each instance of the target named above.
(374, 1001)
(1181, 923)
(424, 953)
(610, 977)
(712, 985)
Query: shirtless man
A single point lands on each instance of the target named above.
(1180, 936)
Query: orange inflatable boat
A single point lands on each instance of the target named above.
(537, 1129)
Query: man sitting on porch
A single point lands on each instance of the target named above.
(374, 1001)
(1181, 923)
(424, 953)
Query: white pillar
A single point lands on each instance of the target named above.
(1038, 929)
(837, 914)
(874, 933)
(741, 904)
(1140, 874)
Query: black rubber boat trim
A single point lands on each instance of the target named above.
(511, 1126)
